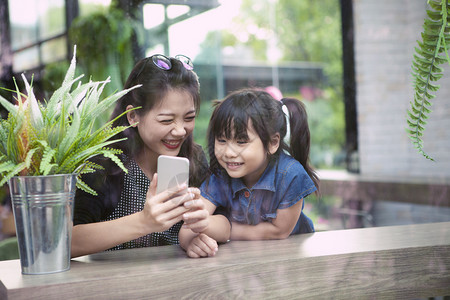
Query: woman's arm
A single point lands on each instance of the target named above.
(96, 237)
(159, 214)
(280, 227)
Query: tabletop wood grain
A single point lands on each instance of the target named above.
(398, 262)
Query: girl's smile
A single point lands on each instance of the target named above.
(233, 166)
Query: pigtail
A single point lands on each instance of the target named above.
(299, 141)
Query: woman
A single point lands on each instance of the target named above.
(127, 213)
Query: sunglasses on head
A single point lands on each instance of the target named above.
(163, 62)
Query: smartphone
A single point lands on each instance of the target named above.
(172, 172)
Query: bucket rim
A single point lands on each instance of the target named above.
(41, 176)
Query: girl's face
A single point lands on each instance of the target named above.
(166, 126)
(244, 158)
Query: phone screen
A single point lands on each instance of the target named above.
(172, 172)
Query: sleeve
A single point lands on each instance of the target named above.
(89, 208)
(295, 185)
(216, 190)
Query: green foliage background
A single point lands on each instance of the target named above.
(308, 31)
(104, 45)
(305, 31)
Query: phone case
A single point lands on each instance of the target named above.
(172, 171)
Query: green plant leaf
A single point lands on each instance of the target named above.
(83, 186)
(57, 137)
(426, 69)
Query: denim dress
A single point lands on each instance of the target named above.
(283, 184)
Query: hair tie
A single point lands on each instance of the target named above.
(288, 125)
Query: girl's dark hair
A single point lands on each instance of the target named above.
(231, 115)
(155, 85)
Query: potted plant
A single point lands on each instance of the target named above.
(44, 148)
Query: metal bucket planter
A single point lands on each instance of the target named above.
(43, 213)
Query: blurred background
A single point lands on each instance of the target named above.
(348, 61)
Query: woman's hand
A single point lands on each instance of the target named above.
(197, 219)
(202, 246)
(162, 211)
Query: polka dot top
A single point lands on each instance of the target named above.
(132, 200)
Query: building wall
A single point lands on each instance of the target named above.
(386, 32)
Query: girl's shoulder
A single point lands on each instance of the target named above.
(219, 178)
(217, 181)
(291, 170)
(287, 163)
(217, 189)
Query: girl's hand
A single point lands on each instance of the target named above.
(162, 211)
(202, 246)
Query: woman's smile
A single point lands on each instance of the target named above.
(172, 144)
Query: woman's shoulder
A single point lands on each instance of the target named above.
(107, 165)
(106, 172)
(107, 182)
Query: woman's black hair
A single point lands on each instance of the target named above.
(231, 116)
(156, 83)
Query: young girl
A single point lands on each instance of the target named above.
(127, 212)
(258, 178)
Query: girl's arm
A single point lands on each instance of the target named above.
(280, 227)
(191, 236)
(218, 227)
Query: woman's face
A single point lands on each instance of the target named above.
(165, 127)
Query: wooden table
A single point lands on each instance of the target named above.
(400, 262)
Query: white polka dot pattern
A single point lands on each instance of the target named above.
(132, 200)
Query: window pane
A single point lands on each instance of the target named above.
(33, 20)
(90, 6)
(54, 50)
(153, 15)
(23, 22)
(51, 18)
(26, 59)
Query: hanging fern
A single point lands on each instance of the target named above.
(425, 68)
